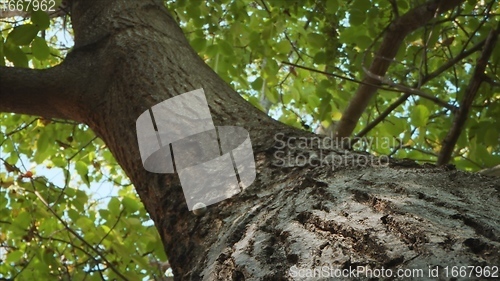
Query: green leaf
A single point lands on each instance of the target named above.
(272, 95)
(104, 214)
(316, 40)
(271, 70)
(491, 136)
(73, 215)
(295, 94)
(23, 35)
(403, 4)
(48, 257)
(59, 162)
(357, 17)
(81, 197)
(325, 110)
(82, 168)
(320, 58)
(14, 257)
(313, 101)
(212, 51)
(332, 6)
(362, 5)
(226, 48)
(15, 55)
(43, 142)
(70, 192)
(114, 206)
(40, 49)
(268, 32)
(22, 221)
(41, 19)
(130, 204)
(364, 41)
(85, 223)
(283, 47)
(394, 126)
(419, 115)
(434, 36)
(257, 84)
(133, 222)
(198, 44)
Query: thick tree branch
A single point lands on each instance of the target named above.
(45, 92)
(469, 96)
(391, 43)
(492, 172)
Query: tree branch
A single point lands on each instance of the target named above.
(80, 238)
(389, 47)
(470, 94)
(424, 80)
(45, 92)
(396, 87)
(492, 172)
(410, 90)
(490, 81)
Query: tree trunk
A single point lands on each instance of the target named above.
(130, 55)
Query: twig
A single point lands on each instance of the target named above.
(109, 264)
(424, 80)
(409, 90)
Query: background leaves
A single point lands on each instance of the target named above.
(300, 61)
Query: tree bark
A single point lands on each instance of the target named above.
(357, 212)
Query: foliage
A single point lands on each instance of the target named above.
(57, 220)
(304, 60)
(63, 231)
(300, 61)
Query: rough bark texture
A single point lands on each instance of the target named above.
(133, 55)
